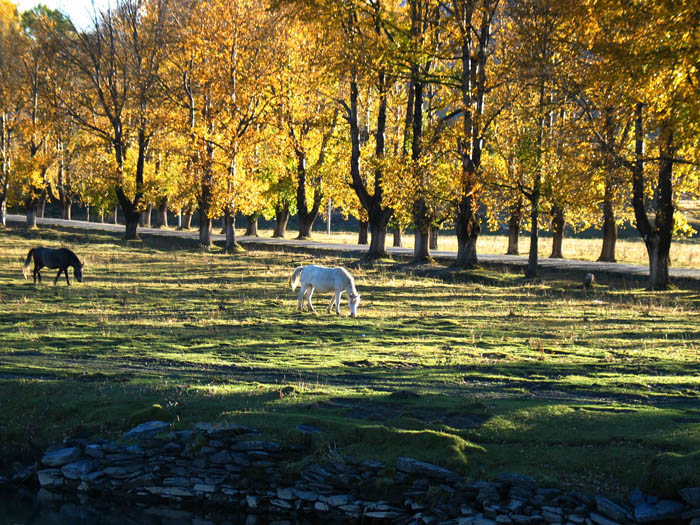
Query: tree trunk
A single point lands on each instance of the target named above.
(42, 204)
(281, 220)
(187, 220)
(115, 215)
(362, 233)
(378, 239)
(32, 205)
(162, 217)
(607, 254)
(132, 223)
(467, 228)
(307, 216)
(657, 237)
(252, 225)
(306, 224)
(660, 258)
(421, 248)
(398, 240)
(558, 224)
(433, 238)
(377, 213)
(205, 229)
(516, 216)
(3, 210)
(230, 227)
(532, 270)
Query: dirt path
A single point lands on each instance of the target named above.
(625, 271)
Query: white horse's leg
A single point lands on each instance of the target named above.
(337, 301)
(330, 305)
(308, 299)
(302, 291)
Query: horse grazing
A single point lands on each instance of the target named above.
(60, 258)
(323, 279)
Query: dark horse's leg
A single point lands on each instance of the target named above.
(65, 270)
(37, 275)
(60, 270)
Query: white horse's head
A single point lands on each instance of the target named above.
(354, 303)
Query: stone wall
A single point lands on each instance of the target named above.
(232, 467)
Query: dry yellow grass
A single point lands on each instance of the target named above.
(684, 253)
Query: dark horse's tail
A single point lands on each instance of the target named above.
(25, 266)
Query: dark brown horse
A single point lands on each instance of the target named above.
(60, 258)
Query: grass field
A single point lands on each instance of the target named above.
(479, 371)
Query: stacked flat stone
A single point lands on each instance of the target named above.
(229, 466)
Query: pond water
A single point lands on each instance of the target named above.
(26, 507)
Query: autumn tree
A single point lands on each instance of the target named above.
(228, 54)
(11, 101)
(115, 66)
(470, 26)
(650, 53)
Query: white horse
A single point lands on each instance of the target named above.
(323, 279)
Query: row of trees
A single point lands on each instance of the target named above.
(423, 113)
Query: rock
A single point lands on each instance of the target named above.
(61, 457)
(265, 446)
(321, 506)
(382, 514)
(177, 492)
(306, 495)
(517, 480)
(369, 464)
(223, 431)
(147, 430)
(252, 501)
(50, 477)
(488, 494)
(414, 466)
(602, 520)
(339, 499)
(636, 497)
(122, 472)
(515, 505)
(78, 469)
(690, 514)
(308, 429)
(94, 451)
(669, 509)
(222, 457)
(283, 504)
(645, 513)
(204, 487)
(691, 496)
(286, 493)
(612, 510)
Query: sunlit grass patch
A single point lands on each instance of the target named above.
(481, 371)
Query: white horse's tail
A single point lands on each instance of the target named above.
(295, 279)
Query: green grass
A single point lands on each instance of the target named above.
(481, 372)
